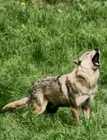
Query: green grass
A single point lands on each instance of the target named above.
(38, 41)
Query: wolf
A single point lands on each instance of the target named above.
(75, 90)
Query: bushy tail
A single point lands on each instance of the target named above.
(16, 104)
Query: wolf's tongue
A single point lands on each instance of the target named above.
(97, 63)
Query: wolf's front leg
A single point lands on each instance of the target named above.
(75, 114)
(86, 111)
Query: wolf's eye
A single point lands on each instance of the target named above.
(87, 53)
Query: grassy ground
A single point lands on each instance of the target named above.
(38, 41)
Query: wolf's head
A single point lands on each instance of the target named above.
(90, 59)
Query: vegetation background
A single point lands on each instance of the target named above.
(41, 40)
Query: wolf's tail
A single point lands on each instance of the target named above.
(16, 104)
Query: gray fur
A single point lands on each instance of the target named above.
(75, 90)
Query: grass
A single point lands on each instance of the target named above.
(38, 41)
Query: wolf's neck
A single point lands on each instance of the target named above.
(85, 74)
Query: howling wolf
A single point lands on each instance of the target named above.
(75, 90)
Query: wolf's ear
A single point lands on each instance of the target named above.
(78, 62)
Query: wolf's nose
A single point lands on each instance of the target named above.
(96, 50)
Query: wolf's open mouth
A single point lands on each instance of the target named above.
(95, 59)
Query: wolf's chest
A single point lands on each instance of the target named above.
(85, 94)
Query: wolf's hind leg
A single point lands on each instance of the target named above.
(40, 108)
